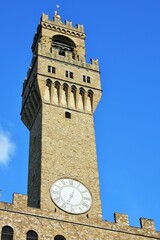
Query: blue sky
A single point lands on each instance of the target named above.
(125, 37)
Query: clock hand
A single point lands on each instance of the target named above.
(70, 197)
(72, 194)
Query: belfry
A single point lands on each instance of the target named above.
(59, 97)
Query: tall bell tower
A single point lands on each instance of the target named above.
(60, 95)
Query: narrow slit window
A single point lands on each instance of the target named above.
(67, 74)
(88, 80)
(53, 70)
(49, 68)
(71, 75)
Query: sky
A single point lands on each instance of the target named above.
(125, 37)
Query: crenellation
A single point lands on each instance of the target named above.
(121, 219)
(121, 226)
(54, 55)
(68, 24)
(57, 20)
(44, 17)
(94, 61)
(19, 200)
(147, 224)
(80, 27)
(4, 205)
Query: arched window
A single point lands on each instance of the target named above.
(32, 235)
(59, 237)
(63, 44)
(7, 233)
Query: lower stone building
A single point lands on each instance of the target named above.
(18, 221)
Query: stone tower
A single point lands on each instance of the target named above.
(60, 95)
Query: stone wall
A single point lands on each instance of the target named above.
(48, 224)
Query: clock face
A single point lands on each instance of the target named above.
(71, 196)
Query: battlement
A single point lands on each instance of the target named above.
(120, 224)
(93, 65)
(57, 27)
(57, 21)
(20, 199)
(123, 221)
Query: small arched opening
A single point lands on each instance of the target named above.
(32, 235)
(7, 233)
(59, 237)
(63, 44)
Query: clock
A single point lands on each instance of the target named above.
(71, 196)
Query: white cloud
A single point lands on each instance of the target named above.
(7, 148)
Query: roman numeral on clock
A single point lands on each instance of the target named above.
(87, 198)
(64, 206)
(55, 192)
(85, 205)
(57, 199)
(71, 182)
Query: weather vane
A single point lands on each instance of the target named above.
(57, 8)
